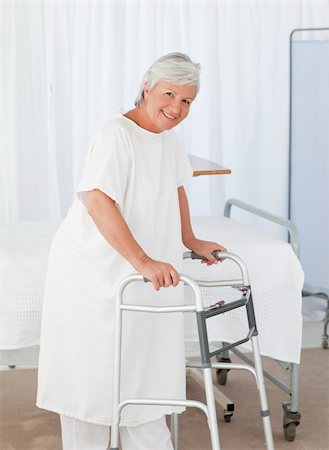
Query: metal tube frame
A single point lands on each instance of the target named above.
(174, 430)
(117, 406)
(210, 407)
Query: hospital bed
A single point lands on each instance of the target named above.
(274, 271)
(24, 248)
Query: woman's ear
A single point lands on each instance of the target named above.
(146, 90)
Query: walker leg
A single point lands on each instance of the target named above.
(265, 413)
(114, 438)
(116, 380)
(212, 419)
(174, 430)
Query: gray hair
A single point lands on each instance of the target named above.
(175, 68)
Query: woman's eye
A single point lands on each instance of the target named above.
(188, 102)
(170, 94)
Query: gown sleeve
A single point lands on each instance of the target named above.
(184, 169)
(108, 163)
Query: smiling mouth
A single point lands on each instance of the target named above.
(168, 116)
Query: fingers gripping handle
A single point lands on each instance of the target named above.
(225, 255)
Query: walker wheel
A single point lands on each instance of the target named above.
(289, 431)
(324, 341)
(11, 367)
(222, 376)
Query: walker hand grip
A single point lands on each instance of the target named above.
(216, 254)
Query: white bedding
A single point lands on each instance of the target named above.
(24, 250)
(275, 274)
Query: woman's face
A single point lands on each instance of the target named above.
(166, 105)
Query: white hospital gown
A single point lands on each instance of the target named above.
(141, 171)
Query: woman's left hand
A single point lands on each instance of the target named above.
(205, 249)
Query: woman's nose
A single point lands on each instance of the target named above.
(176, 107)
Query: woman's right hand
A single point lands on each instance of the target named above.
(161, 274)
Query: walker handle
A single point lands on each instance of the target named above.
(193, 255)
(224, 255)
(216, 254)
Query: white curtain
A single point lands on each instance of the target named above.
(66, 65)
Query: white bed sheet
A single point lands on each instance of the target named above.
(24, 248)
(276, 279)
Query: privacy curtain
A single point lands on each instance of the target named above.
(66, 65)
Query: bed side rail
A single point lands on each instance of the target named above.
(286, 223)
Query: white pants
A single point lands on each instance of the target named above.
(78, 435)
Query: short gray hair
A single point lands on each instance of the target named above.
(176, 68)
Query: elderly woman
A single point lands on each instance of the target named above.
(130, 214)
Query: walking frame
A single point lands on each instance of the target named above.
(202, 314)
